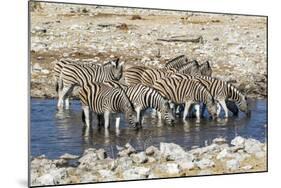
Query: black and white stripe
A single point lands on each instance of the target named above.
(221, 91)
(177, 62)
(74, 74)
(144, 97)
(102, 99)
(145, 75)
(188, 92)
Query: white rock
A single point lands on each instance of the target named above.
(46, 179)
(238, 142)
(142, 170)
(219, 141)
(132, 174)
(139, 158)
(247, 167)
(223, 154)
(171, 151)
(45, 71)
(205, 163)
(36, 67)
(232, 164)
(68, 156)
(186, 165)
(151, 150)
(253, 146)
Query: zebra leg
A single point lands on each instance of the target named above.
(222, 102)
(197, 109)
(62, 96)
(67, 102)
(137, 109)
(87, 115)
(106, 119)
(186, 109)
(218, 109)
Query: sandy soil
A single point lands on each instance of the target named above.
(235, 45)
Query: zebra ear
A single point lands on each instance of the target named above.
(208, 64)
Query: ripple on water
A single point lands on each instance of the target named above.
(54, 133)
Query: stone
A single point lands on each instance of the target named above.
(238, 142)
(106, 173)
(186, 165)
(232, 164)
(45, 71)
(124, 163)
(88, 158)
(172, 152)
(101, 154)
(219, 141)
(59, 175)
(205, 163)
(46, 179)
(36, 67)
(139, 158)
(68, 156)
(223, 154)
(151, 159)
(132, 174)
(252, 146)
(151, 150)
(169, 168)
(247, 167)
(142, 170)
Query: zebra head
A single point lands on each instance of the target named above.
(212, 107)
(205, 69)
(117, 69)
(131, 114)
(243, 105)
(167, 112)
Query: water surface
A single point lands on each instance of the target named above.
(54, 133)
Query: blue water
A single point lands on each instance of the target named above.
(54, 133)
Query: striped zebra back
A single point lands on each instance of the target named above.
(177, 62)
(133, 75)
(149, 76)
(180, 90)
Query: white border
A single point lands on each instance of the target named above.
(14, 91)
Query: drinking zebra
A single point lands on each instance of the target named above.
(221, 91)
(145, 75)
(74, 74)
(143, 97)
(102, 99)
(188, 92)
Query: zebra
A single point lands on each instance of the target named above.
(191, 68)
(205, 69)
(221, 91)
(74, 74)
(144, 97)
(102, 99)
(145, 75)
(177, 62)
(188, 92)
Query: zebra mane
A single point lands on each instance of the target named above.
(175, 59)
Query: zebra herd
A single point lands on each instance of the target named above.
(107, 88)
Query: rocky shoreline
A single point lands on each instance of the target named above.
(169, 160)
